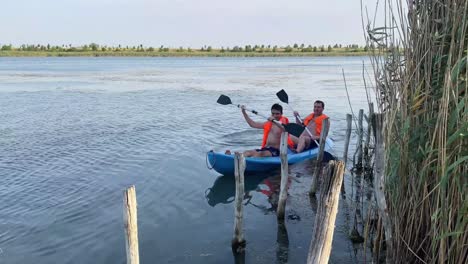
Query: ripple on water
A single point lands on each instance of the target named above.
(67, 154)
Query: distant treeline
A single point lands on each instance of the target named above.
(94, 49)
(246, 48)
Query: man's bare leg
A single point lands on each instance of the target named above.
(304, 142)
(250, 153)
(254, 153)
(265, 153)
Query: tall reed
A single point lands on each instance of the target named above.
(420, 81)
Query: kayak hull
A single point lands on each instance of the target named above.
(224, 164)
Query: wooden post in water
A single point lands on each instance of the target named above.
(349, 120)
(238, 242)
(318, 167)
(379, 181)
(367, 158)
(131, 225)
(284, 176)
(320, 246)
(358, 164)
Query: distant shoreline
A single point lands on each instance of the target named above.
(213, 53)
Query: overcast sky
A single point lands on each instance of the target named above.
(181, 22)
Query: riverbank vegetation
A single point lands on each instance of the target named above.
(421, 87)
(95, 50)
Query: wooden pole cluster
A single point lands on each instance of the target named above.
(320, 246)
(238, 242)
(284, 176)
(131, 225)
(318, 167)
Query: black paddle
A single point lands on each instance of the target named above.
(291, 128)
(283, 96)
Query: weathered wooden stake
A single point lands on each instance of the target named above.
(349, 120)
(379, 181)
(131, 225)
(320, 246)
(318, 167)
(238, 242)
(358, 164)
(284, 176)
(367, 158)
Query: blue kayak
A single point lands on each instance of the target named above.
(224, 164)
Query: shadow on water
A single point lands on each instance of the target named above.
(313, 203)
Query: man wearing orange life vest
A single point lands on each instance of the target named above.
(314, 123)
(271, 133)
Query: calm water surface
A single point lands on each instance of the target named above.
(75, 132)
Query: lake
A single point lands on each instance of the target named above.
(75, 132)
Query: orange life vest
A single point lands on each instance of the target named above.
(318, 122)
(267, 127)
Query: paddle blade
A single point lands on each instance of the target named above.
(283, 96)
(294, 129)
(224, 100)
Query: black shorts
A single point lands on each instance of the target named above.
(274, 151)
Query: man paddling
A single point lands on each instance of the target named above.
(314, 123)
(271, 133)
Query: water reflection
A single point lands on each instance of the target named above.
(239, 257)
(270, 187)
(282, 251)
(223, 190)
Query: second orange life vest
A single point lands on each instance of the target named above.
(318, 122)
